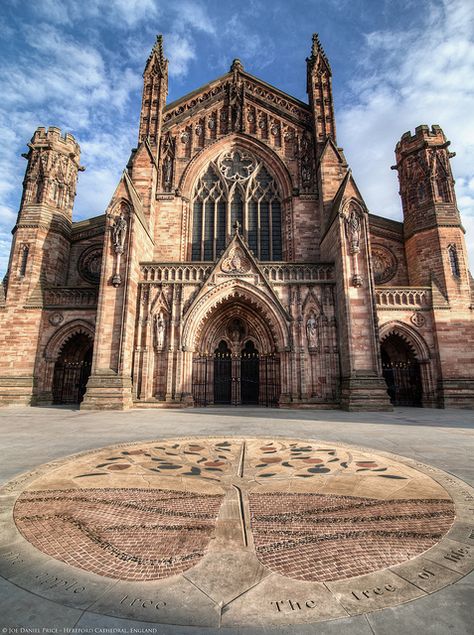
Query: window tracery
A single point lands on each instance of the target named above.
(236, 187)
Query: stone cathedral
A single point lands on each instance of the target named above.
(237, 263)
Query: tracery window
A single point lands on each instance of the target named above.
(236, 187)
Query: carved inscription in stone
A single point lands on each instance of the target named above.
(144, 603)
(48, 581)
(293, 605)
(367, 594)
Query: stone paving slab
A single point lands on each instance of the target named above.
(417, 450)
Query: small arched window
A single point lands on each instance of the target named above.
(443, 188)
(24, 251)
(236, 187)
(454, 261)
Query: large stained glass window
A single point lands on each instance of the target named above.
(236, 187)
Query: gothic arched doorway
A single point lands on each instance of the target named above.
(222, 374)
(401, 371)
(236, 362)
(72, 370)
(249, 374)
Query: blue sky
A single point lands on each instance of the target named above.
(78, 65)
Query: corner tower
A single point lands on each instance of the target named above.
(39, 256)
(434, 236)
(41, 236)
(436, 257)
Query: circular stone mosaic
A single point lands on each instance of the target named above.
(230, 532)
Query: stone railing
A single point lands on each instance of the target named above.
(70, 297)
(298, 272)
(174, 272)
(401, 297)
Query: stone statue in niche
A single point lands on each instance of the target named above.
(235, 103)
(167, 170)
(236, 330)
(353, 228)
(119, 232)
(312, 332)
(160, 330)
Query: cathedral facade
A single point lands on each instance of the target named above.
(237, 263)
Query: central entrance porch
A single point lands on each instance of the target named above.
(238, 368)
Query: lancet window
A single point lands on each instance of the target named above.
(454, 261)
(236, 187)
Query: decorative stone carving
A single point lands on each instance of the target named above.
(312, 332)
(89, 264)
(235, 105)
(236, 330)
(306, 161)
(236, 165)
(119, 233)
(236, 261)
(384, 264)
(56, 319)
(159, 330)
(353, 229)
(418, 319)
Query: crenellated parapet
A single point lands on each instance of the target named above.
(426, 179)
(51, 174)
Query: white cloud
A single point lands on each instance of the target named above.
(420, 76)
(180, 51)
(194, 15)
(120, 13)
(244, 42)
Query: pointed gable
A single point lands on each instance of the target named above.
(238, 263)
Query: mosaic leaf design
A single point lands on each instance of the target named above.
(130, 534)
(318, 537)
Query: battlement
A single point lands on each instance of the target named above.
(53, 137)
(423, 137)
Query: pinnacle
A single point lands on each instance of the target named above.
(157, 52)
(236, 65)
(317, 50)
(158, 48)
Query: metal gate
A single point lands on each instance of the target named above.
(70, 380)
(404, 385)
(225, 378)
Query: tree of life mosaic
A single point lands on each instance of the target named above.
(308, 511)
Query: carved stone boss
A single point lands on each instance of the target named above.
(119, 234)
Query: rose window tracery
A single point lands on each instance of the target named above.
(384, 264)
(236, 187)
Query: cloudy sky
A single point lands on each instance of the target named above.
(78, 65)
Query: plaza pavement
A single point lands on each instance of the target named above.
(442, 438)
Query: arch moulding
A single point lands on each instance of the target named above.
(58, 340)
(270, 159)
(241, 291)
(413, 339)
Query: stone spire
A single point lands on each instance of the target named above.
(319, 89)
(155, 91)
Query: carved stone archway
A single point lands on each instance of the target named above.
(61, 342)
(243, 329)
(406, 360)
